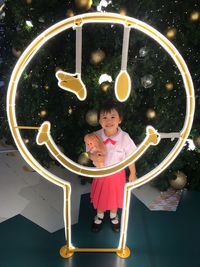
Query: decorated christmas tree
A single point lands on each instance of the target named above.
(157, 96)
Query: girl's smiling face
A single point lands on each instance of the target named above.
(110, 121)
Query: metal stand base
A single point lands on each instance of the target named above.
(67, 252)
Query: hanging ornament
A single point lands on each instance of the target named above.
(123, 11)
(169, 86)
(171, 33)
(105, 86)
(2, 15)
(83, 4)
(179, 182)
(42, 113)
(26, 141)
(147, 81)
(41, 19)
(84, 159)
(91, 117)
(70, 110)
(143, 51)
(195, 16)
(29, 2)
(151, 114)
(34, 85)
(196, 141)
(97, 56)
(70, 13)
(46, 87)
(16, 53)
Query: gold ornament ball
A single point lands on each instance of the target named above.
(97, 56)
(29, 2)
(195, 15)
(171, 33)
(16, 53)
(43, 113)
(151, 114)
(169, 86)
(196, 141)
(123, 11)
(91, 117)
(46, 87)
(105, 86)
(26, 141)
(83, 159)
(179, 182)
(70, 13)
(83, 4)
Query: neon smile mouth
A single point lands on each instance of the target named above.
(44, 138)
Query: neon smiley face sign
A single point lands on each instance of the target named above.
(74, 84)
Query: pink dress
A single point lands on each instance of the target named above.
(108, 192)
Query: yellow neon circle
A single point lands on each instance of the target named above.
(152, 135)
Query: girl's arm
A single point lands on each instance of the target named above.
(132, 176)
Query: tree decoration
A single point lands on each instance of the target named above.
(151, 114)
(70, 13)
(105, 86)
(70, 110)
(91, 117)
(29, 2)
(26, 141)
(143, 51)
(123, 11)
(84, 159)
(147, 81)
(196, 141)
(171, 33)
(97, 56)
(179, 182)
(46, 87)
(2, 15)
(195, 16)
(42, 113)
(83, 4)
(41, 19)
(16, 53)
(169, 86)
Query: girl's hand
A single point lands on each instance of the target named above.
(132, 177)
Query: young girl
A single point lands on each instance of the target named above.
(107, 192)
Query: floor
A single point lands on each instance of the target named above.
(156, 239)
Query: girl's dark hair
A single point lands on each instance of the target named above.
(108, 106)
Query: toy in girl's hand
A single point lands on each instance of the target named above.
(97, 150)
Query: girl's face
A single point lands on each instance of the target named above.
(110, 121)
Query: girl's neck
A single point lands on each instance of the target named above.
(111, 134)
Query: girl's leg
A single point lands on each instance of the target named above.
(98, 220)
(114, 219)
